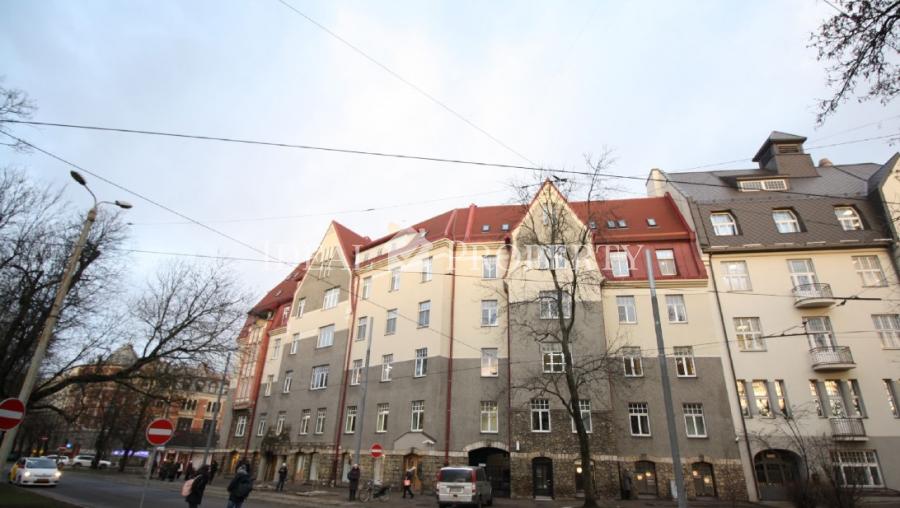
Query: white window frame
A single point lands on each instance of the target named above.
(639, 419)
(684, 361)
(490, 362)
(326, 337)
(490, 417)
(888, 326)
(627, 309)
(261, 426)
(319, 378)
(332, 296)
(395, 279)
(295, 343)
(736, 280)
(356, 369)
(305, 417)
(350, 420)
(276, 349)
(632, 361)
(694, 421)
(540, 415)
(781, 401)
(819, 331)
(362, 328)
(548, 309)
(421, 365)
(321, 415)
(489, 267)
(288, 381)
(748, 334)
(849, 221)
(383, 413)
(869, 270)
(417, 416)
(301, 307)
(862, 461)
(723, 224)
(424, 318)
(618, 264)
(489, 313)
(270, 380)
(366, 288)
(387, 365)
(390, 323)
(665, 260)
(676, 309)
(241, 426)
(279, 424)
(890, 392)
(584, 410)
(803, 272)
(762, 403)
(552, 257)
(552, 358)
(786, 221)
(427, 269)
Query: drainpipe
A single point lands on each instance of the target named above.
(260, 364)
(450, 359)
(509, 447)
(354, 281)
(712, 272)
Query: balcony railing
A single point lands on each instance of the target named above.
(831, 358)
(847, 429)
(813, 295)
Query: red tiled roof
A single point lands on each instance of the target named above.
(349, 241)
(282, 293)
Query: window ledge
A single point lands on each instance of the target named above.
(698, 437)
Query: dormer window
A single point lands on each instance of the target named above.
(622, 223)
(723, 224)
(848, 217)
(504, 227)
(611, 224)
(651, 222)
(592, 225)
(786, 221)
(773, 184)
(485, 228)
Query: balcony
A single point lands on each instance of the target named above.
(831, 358)
(847, 429)
(810, 296)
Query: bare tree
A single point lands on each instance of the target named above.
(560, 240)
(861, 42)
(14, 105)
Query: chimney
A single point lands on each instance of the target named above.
(824, 162)
(782, 154)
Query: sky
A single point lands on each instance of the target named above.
(670, 85)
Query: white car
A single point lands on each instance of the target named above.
(62, 460)
(86, 460)
(35, 471)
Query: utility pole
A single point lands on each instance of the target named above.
(667, 388)
(50, 323)
(216, 409)
(365, 386)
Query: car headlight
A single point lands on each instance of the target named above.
(27, 474)
(57, 474)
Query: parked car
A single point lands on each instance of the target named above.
(86, 460)
(35, 471)
(463, 485)
(61, 460)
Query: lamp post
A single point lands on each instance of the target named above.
(53, 317)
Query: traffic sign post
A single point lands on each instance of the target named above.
(12, 411)
(376, 451)
(158, 433)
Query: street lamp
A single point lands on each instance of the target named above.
(51, 320)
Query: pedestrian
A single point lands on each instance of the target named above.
(189, 472)
(172, 471)
(213, 469)
(282, 477)
(179, 470)
(626, 485)
(197, 486)
(407, 483)
(239, 488)
(353, 478)
(163, 471)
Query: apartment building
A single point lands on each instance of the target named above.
(802, 260)
(444, 314)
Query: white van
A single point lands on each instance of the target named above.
(463, 485)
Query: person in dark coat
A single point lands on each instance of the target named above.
(239, 488)
(172, 471)
(200, 479)
(282, 477)
(163, 471)
(189, 472)
(407, 483)
(353, 478)
(213, 469)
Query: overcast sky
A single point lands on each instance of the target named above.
(664, 84)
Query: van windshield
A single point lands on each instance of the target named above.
(456, 476)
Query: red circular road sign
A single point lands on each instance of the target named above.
(12, 411)
(160, 431)
(377, 451)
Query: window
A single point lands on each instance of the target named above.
(276, 348)
(331, 298)
(485, 228)
(270, 380)
(736, 276)
(694, 423)
(835, 399)
(426, 269)
(319, 379)
(288, 379)
(869, 270)
(261, 426)
(362, 328)
(761, 397)
(552, 357)
(489, 267)
(395, 279)
(749, 336)
(417, 416)
(741, 387)
(301, 307)
(848, 218)
(618, 263)
(390, 326)
(857, 407)
(781, 398)
(540, 415)
(350, 420)
(684, 362)
(639, 418)
(552, 257)
(285, 313)
(305, 416)
(785, 221)
(651, 222)
(891, 393)
(627, 311)
(631, 357)
(488, 312)
(621, 223)
(723, 224)
(819, 333)
(504, 227)
(549, 308)
(320, 420)
(381, 421)
(424, 314)
(295, 343)
(356, 372)
(366, 288)
(489, 416)
(387, 365)
(490, 362)
(803, 274)
(817, 397)
(421, 362)
(888, 326)
(666, 260)
(584, 410)
(240, 427)
(676, 309)
(279, 424)
(758, 185)
(326, 336)
(857, 467)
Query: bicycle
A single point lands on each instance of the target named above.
(372, 491)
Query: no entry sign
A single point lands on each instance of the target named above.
(377, 451)
(12, 411)
(160, 431)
